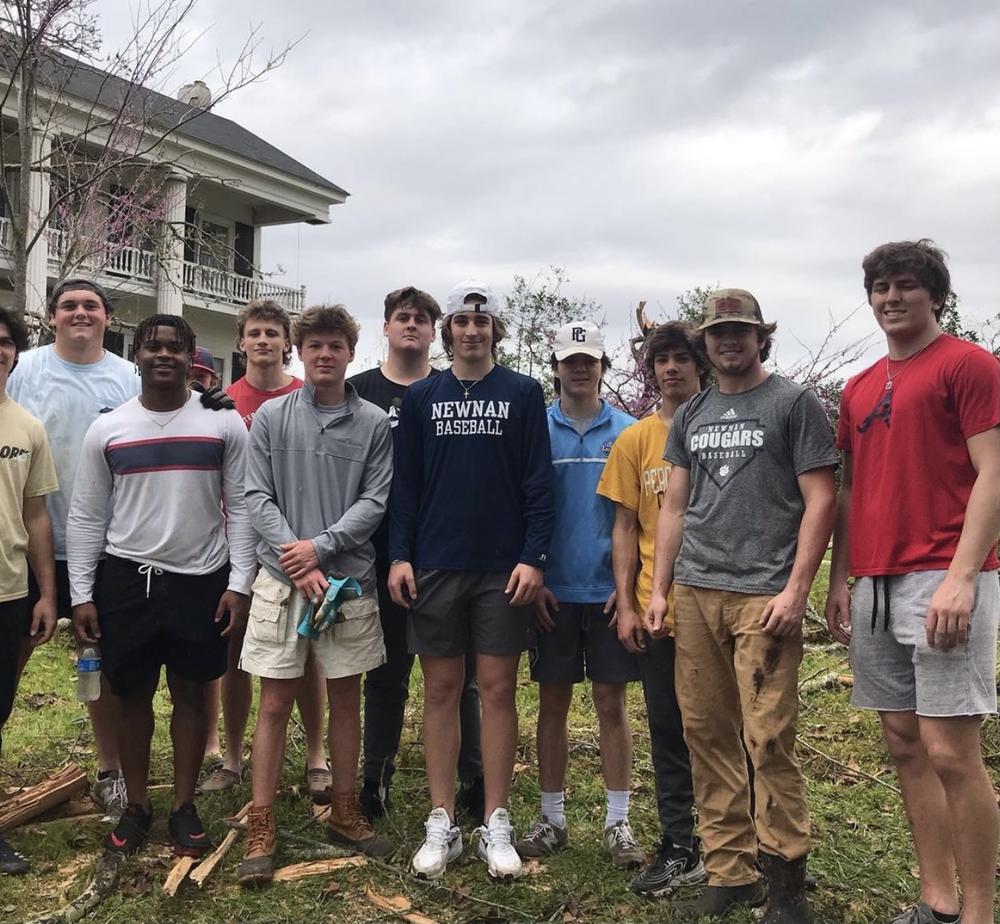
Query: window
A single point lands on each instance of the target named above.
(213, 246)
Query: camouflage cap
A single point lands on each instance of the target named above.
(728, 305)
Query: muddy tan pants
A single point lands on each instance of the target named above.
(733, 679)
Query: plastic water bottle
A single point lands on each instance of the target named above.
(88, 674)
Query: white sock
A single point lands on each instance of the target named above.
(554, 808)
(617, 806)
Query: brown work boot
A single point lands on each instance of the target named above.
(349, 827)
(257, 867)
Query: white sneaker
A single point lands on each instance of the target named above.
(496, 846)
(442, 842)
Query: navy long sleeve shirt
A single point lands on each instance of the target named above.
(473, 476)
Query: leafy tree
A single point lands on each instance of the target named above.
(533, 311)
(952, 322)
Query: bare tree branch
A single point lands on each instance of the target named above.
(104, 138)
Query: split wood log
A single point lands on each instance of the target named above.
(33, 801)
(208, 865)
(316, 868)
(177, 874)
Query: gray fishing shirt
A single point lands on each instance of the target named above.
(321, 474)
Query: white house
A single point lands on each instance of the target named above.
(218, 182)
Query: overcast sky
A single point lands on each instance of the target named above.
(647, 146)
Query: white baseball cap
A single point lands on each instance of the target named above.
(578, 337)
(457, 296)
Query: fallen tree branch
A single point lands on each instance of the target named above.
(855, 771)
(107, 872)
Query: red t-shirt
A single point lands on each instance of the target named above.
(249, 399)
(912, 474)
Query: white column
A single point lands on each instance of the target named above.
(36, 290)
(170, 264)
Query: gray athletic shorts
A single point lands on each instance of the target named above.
(458, 612)
(582, 642)
(895, 670)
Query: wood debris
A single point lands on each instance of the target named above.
(208, 865)
(398, 905)
(35, 800)
(395, 904)
(830, 681)
(316, 868)
(177, 873)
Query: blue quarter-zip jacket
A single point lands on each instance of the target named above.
(579, 568)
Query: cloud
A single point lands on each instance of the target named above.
(646, 146)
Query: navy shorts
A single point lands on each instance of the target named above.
(152, 618)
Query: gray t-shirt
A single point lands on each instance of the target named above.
(744, 453)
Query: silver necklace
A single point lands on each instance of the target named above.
(168, 421)
(462, 385)
(889, 376)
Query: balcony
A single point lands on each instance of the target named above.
(119, 260)
(214, 284)
(121, 263)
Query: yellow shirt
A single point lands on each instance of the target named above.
(635, 476)
(26, 470)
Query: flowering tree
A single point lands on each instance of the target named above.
(106, 160)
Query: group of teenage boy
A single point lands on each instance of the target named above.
(314, 532)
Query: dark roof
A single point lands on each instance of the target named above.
(83, 81)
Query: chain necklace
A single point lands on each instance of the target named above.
(889, 376)
(462, 385)
(168, 421)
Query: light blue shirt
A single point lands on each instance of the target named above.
(67, 398)
(579, 567)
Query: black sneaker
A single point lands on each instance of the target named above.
(11, 862)
(672, 867)
(373, 800)
(471, 799)
(131, 831)
(187, 832)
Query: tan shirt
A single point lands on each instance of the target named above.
(26, 470)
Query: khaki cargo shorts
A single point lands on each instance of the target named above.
(273, 648)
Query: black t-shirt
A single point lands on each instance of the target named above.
(373, 386)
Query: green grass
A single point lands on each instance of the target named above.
(861, 846)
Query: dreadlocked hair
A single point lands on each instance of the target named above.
(185, 332)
